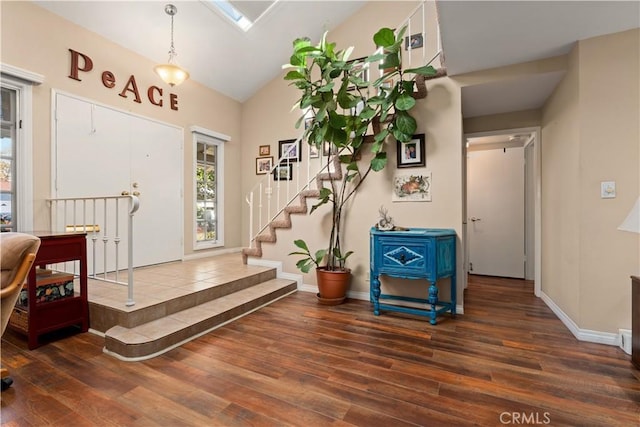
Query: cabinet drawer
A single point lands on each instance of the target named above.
(404, 256)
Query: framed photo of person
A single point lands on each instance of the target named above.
(411, 154)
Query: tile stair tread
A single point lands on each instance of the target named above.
(159, 328)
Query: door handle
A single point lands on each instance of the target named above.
(474, 219)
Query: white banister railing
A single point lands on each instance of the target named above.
(100, 217)
(294, 172)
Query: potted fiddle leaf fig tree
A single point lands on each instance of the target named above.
(335, 103)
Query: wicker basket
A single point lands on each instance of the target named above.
(19, 319)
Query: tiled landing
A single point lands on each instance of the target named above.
(176, 302)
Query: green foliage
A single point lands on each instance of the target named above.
(333, 88)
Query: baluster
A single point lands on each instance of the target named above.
(117, 237)
(94, 238)
(260, 207)
(105, 240)
(250, 202)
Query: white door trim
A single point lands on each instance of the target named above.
(24, 148)
(536, 131)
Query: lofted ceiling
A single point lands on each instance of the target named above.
(475, 35)
(214, 51)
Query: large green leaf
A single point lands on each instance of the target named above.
(384, 37)
(425, 70)
(301, 244)
(405, 123)
(379, 161)
(320, 254)
(337, 121)
(294, 75)
(326, 88)
(405, 102)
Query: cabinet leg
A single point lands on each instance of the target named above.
(375, 289)
(433, 300)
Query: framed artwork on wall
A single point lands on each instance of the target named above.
(415, 41)
(414, 187)
(264, 150)
(264, 165)
(283, 172)
(314, 152)
(289, 150)
(411, 154)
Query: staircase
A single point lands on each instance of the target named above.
(283, 219)
(282, 201)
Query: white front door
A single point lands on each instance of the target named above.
(100, 151)
(495, 205)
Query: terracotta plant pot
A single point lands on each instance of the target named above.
(332, 285)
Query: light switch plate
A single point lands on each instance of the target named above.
(608, 189)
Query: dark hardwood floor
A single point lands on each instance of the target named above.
(507, 361)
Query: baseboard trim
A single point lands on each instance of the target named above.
(304, 287)
(625, 340)
(210, 253)
(279, 273)
(587, 335)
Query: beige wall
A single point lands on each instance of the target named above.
(560, 201)
(591, 134)
(36, 40)
(266, 119)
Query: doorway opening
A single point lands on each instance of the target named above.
(501, 230)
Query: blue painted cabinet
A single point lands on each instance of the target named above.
(416, 253)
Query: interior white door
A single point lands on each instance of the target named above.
(105, 152)
(156, 178)
(495, 205)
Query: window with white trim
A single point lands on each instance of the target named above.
(208, 184)
(18, 82)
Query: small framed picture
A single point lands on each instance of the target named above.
(264, 165)
(415, 41)
(283, 172)
(265, 150)
(289, 150)
(314, 152)
(411, 154)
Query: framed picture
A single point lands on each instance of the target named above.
(411, 154)
(415, 41)
(411, 187)
(289, 150)
(364, 73)
(283, 172)
(314, 152)
(265, 150)
(263, 165)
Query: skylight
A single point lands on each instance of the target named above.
(232, 13)
(244, 14)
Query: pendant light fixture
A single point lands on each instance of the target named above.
(171, 72)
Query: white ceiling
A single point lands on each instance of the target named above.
(475, 35)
